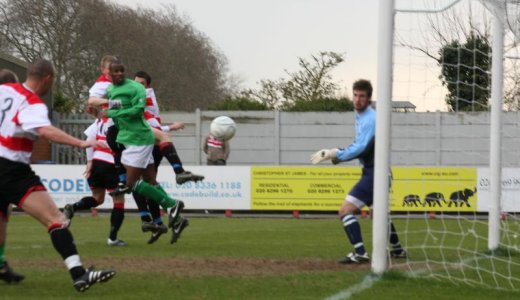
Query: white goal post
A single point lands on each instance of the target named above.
(382, 151)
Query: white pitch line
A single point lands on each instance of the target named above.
(369, 280)
(366, 283)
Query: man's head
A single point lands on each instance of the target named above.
(7, 76)
(362, 94)
(117, 72)
(40, 76)
(105, 64)
(143, 78)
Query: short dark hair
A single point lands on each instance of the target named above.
(116, 62)
(363, 85)
(7, 76)
(40, 68)
(144, 75)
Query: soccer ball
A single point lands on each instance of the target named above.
(223, 128)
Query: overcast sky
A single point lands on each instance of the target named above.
(262, 38)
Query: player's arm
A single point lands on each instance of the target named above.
(172, 127)
(176, 126)
(93, 100)
(364, 135)
(90, 155)
(34, 119)
(137, 108)
(91, 133)
(59, 136)
(361, 142)
(338, 155)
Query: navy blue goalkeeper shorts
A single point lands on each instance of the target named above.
(364, 189)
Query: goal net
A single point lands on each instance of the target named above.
(440, 154)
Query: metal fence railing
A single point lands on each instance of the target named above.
(75, 125)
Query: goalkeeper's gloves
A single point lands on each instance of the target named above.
(323, 154)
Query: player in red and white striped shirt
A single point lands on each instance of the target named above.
(6, 272)
(102, 176)
(23, 118)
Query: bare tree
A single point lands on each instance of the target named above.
(460, 24)
(188, 72)
(35, 29)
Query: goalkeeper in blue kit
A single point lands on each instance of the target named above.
(361, 194)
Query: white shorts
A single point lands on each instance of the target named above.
(137, 156)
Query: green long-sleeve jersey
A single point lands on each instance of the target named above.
(128, 101)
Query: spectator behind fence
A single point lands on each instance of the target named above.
(217, 151)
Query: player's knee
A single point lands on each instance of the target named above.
(99, 200)
(342, 212)
(163, 136)
(346, 209)
(58, 223)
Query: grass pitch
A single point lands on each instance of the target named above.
(221, 258)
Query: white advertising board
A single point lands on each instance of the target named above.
(510, 190)
(224, 187)
(229, 187)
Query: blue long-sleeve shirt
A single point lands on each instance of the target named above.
(365, 133)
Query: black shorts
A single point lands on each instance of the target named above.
(17, 181)
(102, 175)
(111, 135)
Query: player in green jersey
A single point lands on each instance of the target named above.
(127, 100)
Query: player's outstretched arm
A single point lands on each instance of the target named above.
(323, 154)
(93, 100)
(59, 136)
(176, 126)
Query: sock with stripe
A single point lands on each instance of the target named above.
(155, 211)
(353, 231)
(168, 151)
(63, 242)
(142, 207)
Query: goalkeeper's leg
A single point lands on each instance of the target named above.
(351, 226)
(397, 250)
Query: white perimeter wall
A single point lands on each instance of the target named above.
(418, 139)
